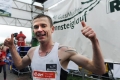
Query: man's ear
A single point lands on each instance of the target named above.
(52, 29)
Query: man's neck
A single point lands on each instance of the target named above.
(46, 46)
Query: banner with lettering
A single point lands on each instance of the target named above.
(102, 15)
(5, 7)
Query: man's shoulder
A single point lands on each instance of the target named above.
(33, 48)
(62, 47)
(65, 47)
(31, 51)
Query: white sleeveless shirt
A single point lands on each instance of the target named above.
(47, 67)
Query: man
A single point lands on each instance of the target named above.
(21, 39)
(50, 60)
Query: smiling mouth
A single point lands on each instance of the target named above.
(40, 34)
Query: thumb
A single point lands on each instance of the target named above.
(83, 23)
(12, 37)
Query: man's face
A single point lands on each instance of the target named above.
(42, 29)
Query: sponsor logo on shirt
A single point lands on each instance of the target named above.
(51, 67)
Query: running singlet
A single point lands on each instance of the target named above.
(47, 67)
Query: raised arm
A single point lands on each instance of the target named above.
(96, 65)
(18, 61)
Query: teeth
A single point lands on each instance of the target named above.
(39, 34)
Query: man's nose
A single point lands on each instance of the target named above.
(40, 29)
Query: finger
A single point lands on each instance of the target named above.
(83, 23)
(12, 36)
(4, 42)
(91, 35)
(85, 29)
(88, 33)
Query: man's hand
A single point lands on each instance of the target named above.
(87, 31)
(9, 42)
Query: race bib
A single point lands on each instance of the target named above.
(44, 75)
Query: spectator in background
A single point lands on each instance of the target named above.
(9, 59)
(2, 60)
(21, 39)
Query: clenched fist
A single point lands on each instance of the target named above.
(9, 42)
(88, 31)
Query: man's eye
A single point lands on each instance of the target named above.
(43, 25)
(36, 27)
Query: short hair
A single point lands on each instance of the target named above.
(43, 15)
